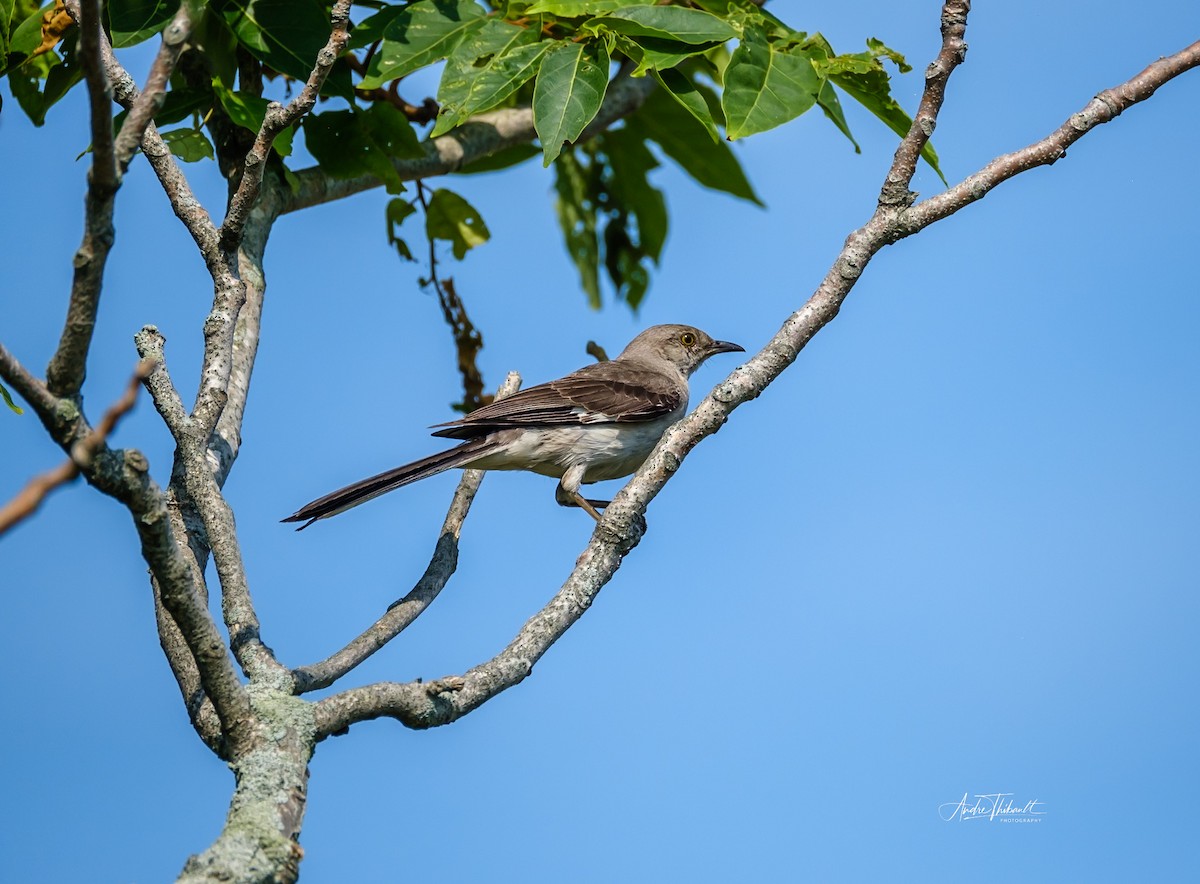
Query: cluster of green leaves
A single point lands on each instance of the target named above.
(725, 69)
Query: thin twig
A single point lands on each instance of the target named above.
(29, 498)
(468, 341)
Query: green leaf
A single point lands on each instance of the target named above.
(832, 107)
(216, 43)
(25, 81)
(570, 87)
(41, 80)
(623, 261)
(650, 53)
(132, 21)
(676, 131)
(190, 145)
(397, 210)
(630, 161)
(880, 50)
(766, 86)
(283, 34)
(248, 112)
(486, 69)
(501, 159)
(451, 218)
(352, 143)
(666, 23)
(578, 8)
(684, 92)
(8, 400)
(421, 34)
(370, 29)
(577, 218)
(6, 16)
(388, 128)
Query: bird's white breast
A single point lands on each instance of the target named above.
(609, 451)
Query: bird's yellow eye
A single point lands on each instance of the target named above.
(687, 339)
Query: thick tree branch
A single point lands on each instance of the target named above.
(402, 613)
(427, 705)
(479, 137)
(225, 442)
(277, 119)
(259, 842)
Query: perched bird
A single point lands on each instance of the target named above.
(598, 423)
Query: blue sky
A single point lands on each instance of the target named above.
(951, 551)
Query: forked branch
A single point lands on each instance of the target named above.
(426, 705)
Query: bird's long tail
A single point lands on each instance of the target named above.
(362, 491)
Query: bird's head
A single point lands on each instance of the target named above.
(682, 345)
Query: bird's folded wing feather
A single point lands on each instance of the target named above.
(607, 392)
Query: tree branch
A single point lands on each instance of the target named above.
(479, 137)
(68, 365)
(402, 613)
(1105, 107)
(277, 119)
(422, 706)
(150, 343)
(147, 104)
(953, 52)
(174, 183)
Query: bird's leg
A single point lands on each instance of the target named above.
(587, 505)
(569, 497)
(567, 494)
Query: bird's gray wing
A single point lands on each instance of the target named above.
(607, 392)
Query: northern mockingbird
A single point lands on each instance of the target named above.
(598, 423)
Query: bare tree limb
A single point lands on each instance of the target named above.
(68, 365)
(150, 343)
(200, 710)
(420, 706)
(402, 613)
(277, 119)
(953, 52)
(479, 137)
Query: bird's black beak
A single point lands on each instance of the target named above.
(725, 347)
